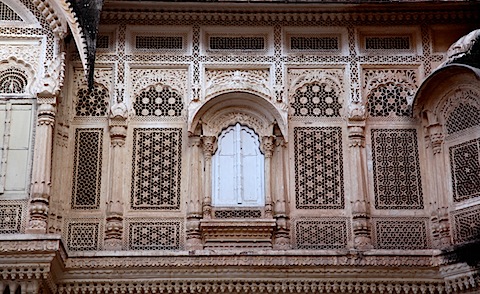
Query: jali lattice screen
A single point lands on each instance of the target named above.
(465, 165)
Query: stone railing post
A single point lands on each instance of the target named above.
(42, 165)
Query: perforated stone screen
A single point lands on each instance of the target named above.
(83, 235)
(155, 235)
(7, 14)
(465, 166)
(317, 100)
(318, 168)
(159, 42)
(387, 43)
(87, 168)
(11, 217)
(92, 102)
(463, 117)
(466, 224)
(314, 43)
(389, 100)
(156, 168)
(13, 81)
(396, 169)
(236, 43)
(400, 233)
(158, 101)
(321, 233)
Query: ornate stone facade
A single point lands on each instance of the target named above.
(349, 138)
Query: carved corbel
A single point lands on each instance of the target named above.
(41, 174)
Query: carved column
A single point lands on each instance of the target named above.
(208, 150)
(360, 204)
(194, 209)
(268, 146)
(282, 231)
(114, 217)
(439, 215)
(42, 164)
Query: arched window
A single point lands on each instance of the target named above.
(238, 169)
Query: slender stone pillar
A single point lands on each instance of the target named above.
(114, 217)
(278, 174)
(208, 150)
(268, 146)
(439, 214)
(42, 165)
(360, 204)
(194, 209)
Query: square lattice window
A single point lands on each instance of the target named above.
(321, 233)
(396, 169)
(465, 165)
(466, 224)
(156, 168)
(12, 217)
(318, 168)
(83, 234)
(400, 233)
(155, 235)
(87, 168)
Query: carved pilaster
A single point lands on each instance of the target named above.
(194, 209)
(209, 146)
(114, 216)
(268, 146)
(40, 190)
(360, 211)
(282, 230)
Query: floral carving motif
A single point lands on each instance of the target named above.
(143, 78)
(222, 81)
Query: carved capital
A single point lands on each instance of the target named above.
(118, 134)
(356, 136)
(268, 145)
(209, 146)
(38, 216)
(46, 114)
(436, 137)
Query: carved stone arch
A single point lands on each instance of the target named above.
(26, 16)
(18, 74)
(248, 109)
(332, 80)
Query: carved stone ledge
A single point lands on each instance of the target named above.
(231, 234)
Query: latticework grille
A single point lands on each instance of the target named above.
(236, 43)
(396, 169)
(400, 233)
(158, 101)
(13, 81)
(463, 117)
(87, 168)
(103, 41)
(389, 100)
(466, 224)
(388, 43)
(314, 43)
(465, 166)
(317, 100)
(92, 102)
(83, 234)
(159, 42)
(156, 168)
(12, 216)
(7, 14)
(155, 234)
(318, 168)
(321, 233)
(238, 213)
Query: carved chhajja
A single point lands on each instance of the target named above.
(254, 81)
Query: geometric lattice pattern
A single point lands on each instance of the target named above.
(465, 166)
(466, 224)
(7, 14)
(92, 102)
(464, 116)
(87, 168)
(396, 169)
(237, 43)
(158, 101)
(83, 235)
(318, 168)
(400, 233)
(13, 81)
(159, 42)
(312, 43)
(240, 213)
(387, 43)
(389, 100)
(11, 218)
(156, 168)
(317, 100)
(321, 233)
(155, 235)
